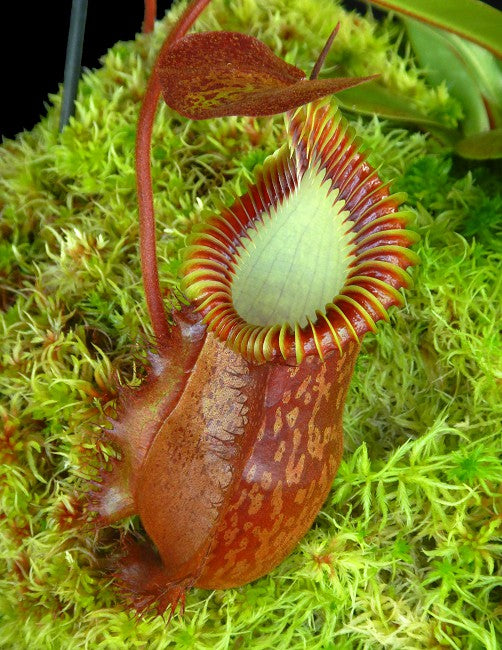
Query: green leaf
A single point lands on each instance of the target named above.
(442, 62)
(487, 72)
(473, 77)
(471, 19)
(481, 146)
(372, 98)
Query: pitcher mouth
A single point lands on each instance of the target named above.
(311, 257)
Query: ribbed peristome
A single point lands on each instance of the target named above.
(372, 248)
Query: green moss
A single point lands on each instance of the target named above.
(404, 553)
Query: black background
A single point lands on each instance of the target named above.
(33, 47)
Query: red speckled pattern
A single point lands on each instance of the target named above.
(288, 475)
(232, 474)
(212, 74)
(198, 454)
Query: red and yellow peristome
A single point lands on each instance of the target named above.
(229, 448)
(372, 242)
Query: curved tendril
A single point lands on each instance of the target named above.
(148, 243)
(150, 16)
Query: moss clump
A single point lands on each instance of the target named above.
(404, 553)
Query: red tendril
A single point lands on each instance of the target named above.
(150, 15)
(148, 245)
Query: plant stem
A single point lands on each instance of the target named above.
(150, 15)
(148, 244)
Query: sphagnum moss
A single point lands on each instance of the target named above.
(404, 553)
